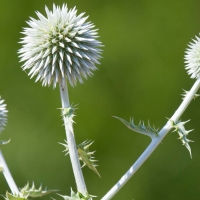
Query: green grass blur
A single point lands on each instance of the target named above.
(141, 75)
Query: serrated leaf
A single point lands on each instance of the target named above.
(148, 130)
(76, 196)
(33, 192)
(85, 155)
(180, 129)
(27, 192)
(14, 197)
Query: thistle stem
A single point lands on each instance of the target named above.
(71, 141)
(7, 175)
(154, 143)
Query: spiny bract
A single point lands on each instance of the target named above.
(179, 127)
(27, 192)
(192, 58)
(77, 196)
(186, 92)
(61, 45)
(3, 115)
(33, 192)
(86, 156)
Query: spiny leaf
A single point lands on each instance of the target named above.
(27, 192)
(77, 196)
(84, 155)
(186, 92)
(15, 197)
(140, 128)
(33, 192)
(68, 113)
(180, 129)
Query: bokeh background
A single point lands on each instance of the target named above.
(141, 75)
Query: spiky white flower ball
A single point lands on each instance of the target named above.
(192, 58)
(60, 45)
(3, 115)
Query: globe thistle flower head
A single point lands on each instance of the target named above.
(60, 45)
(192, 58)
(3, 115)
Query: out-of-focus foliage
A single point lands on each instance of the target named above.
(141, 74)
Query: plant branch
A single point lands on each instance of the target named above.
(7, 175)
(155, 142)
(71, 141)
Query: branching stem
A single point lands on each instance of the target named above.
(155, 142)
(7, 175)
(71, 141)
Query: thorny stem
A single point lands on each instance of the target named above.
(71, 142)
(155, 142)
(8, 175)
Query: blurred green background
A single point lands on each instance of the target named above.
(141, 75)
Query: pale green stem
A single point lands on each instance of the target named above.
(155, 142)
(80, 183)
(7, 175)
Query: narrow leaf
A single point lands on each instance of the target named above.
(148, 130)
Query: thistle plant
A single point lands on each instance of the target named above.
(62, 46)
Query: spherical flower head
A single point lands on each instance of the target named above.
(3, 115)
(60, 45)
(192, 58)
